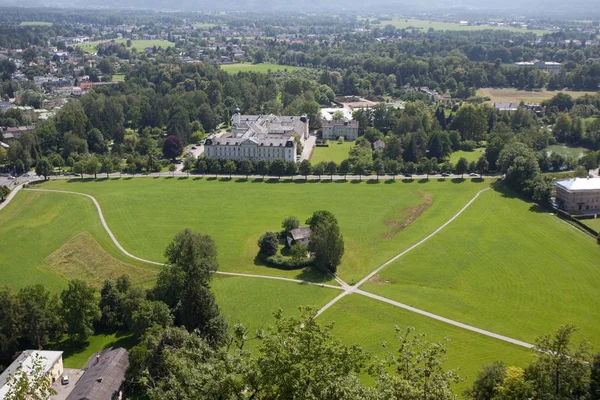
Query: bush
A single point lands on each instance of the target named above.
(468, 145)
(269, 243)
(286, 263)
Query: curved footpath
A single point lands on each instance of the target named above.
(346, 289)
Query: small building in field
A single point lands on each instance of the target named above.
(51, 367)
(103, 378)
(578, 195)
(299, 235)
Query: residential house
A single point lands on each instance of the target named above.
(378, 145)
(103, 376)
(579, 195)
(506, 106)
(299, 235)
(51, 364)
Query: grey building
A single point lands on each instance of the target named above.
(578, 195)
(103, 377)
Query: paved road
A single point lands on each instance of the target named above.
(309, 145)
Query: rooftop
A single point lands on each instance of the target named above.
(103, 376)
(576, 184)
(25, 362)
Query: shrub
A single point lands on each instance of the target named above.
(468, 145)
(287, 263)
(269, 244)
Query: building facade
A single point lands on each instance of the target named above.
(259, 137)
(579, 195)
(334, 129)
(51, 364)
(549, 66)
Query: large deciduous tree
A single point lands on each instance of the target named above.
(79, 310)
(172, 147)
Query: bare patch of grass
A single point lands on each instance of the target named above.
(408, 216)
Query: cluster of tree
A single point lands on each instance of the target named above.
(34, 318)
(561, 370)
(297, 358)
(326, 244)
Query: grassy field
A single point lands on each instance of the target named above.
(35, 23)
(375, 218)
(592, 223)
(451, 26)
(249, 67)
(516, 96)
(334, 152)
(54, 237)
(566, 151)
(359, 319)
(505, 266)
(118, 77)
(469, 155)
(140, 45)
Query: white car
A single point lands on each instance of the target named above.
(65, 380)
(10, 177)
(473, 174)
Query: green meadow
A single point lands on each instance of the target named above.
(469, 155)
(140, 45)
(451, 26)
(249, 67)
(378, 219)
(504, 265)
(359, 319)
(334, 152)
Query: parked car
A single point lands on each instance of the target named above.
(445, 174)
(26, 175)
(408, 175)
(10, 177)
(473, 174)
(194, 147)
(65, 380)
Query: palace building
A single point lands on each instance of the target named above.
(259, 137)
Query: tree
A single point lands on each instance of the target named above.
(246, 167)
(172, 168)
(263, 168)
(410, 168)
(278, 167)
(92, 166)
(30, 383)
(462, 165)
(10, 325)
(561, 370)
(345, 168)
(79, 310)
(188, 164)
(361, 168)
(150, 314)
(269, 244)
(107, 165)
(595, 378)
(201, 166)
(425, 166)
(43, 168)
(290, 223)
(305, 169)
(4, 192)
(488, 379)
(482, 166)
(319, 169)
(41, 323)
(331, 168)
(581, 172)
(172, 147)
(215, 167)
(392, 167)
(229, 167)
(327, 243)
(471, 121)
(379, 167)
(298, 252)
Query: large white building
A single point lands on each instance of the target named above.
(51, 367)
(335, 128)
(259, 137)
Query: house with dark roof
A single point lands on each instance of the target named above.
(299, 235)
(103, 376)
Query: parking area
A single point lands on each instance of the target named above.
(63, 391)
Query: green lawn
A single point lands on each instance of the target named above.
(505, 266)
(566, 151)
(375, 218)
(140, 45)
(50, 237)
(592, 223)
(249, 67)
(35, 23)
(370, 323)
(469, 155)
(335, 152)
(451, 26)
(118, 77)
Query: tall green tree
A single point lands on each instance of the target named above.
(327, 243)
(79, 310)
(41, 323)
